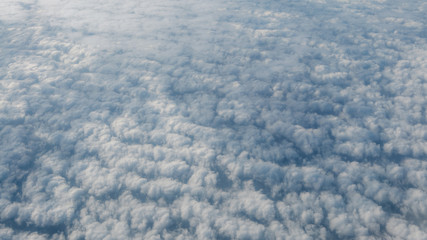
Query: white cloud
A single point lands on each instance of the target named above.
(196, 120)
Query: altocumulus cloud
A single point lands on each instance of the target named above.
(213, 119)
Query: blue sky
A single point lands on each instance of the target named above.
(213, 119)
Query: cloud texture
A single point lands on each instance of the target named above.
(213, 119)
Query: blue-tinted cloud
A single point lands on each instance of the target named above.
(213, 120)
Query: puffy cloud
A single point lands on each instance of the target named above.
(212, 120)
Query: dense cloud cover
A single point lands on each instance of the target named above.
(213, 119)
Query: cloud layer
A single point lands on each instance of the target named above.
(213, 120)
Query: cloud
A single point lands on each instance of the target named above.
(219, 120)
